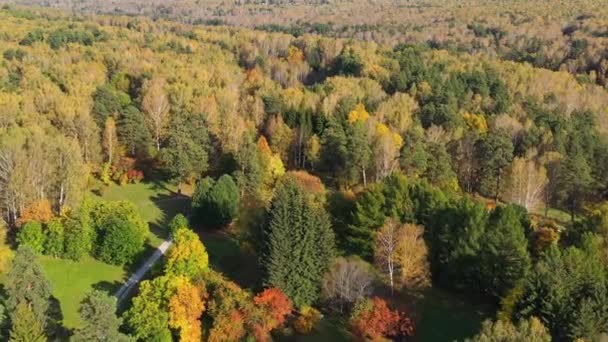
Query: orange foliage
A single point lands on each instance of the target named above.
(39, 211)
(263, 146)
(310, 183)
(186, 307)
(230, 327)
(374, 320)
(271, 309)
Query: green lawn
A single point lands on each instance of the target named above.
(447, 317)
(71, 281)
(157, 204)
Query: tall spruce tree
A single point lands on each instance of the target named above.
(27, 285)
(299, 244)
(99, 321)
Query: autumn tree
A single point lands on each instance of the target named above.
(216, 203)
(188, 256)
(385, 251)
(526, 184)
(272, 309)
(297, 229)
(412, 257)
(186, 307)
(373, 319)
(110, 140)
(99, 321)
(156, 107)
(526, 330)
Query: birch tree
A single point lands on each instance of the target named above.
(527, 183)
(385, 252)
(156, 106)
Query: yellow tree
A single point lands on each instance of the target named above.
(156, 107)
(412, 257)
(188, 256)
(186, 307)
(110, 140)
(526, 184)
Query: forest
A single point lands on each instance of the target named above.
(310, 186)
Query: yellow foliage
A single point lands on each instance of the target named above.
(359, 114)
(307, 320)
(476, 122)
(295, 55)
(186, 307)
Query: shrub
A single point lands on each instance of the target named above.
(306, 321)
(55, 238)
(179, 221)
(31, 235)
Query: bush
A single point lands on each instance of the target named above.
(78, 239)
(121, 232)
(306, 321)
(216, 203)
(55, 238)
(31, 235)
(179, 221)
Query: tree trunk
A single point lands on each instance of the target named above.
(364, 177)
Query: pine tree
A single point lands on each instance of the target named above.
(26, 326)
(299, 245)
(99, 321)
(369, 216)
(27, 285)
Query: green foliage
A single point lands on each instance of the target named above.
(79, 235)
(63, 36)
(567, 289)
(299, 244)
(121, 232)
(178, 222)
(31, 235)
(369, 216)
(186, 149)
(349, 63)
(32, 37)
(100, 323)
(27, 287)
(26, 327)
(494, 153)
(504, 254)
(148, 317)
(55, 238)
(216, 203)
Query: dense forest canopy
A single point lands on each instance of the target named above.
(355, 174)
(557, 35)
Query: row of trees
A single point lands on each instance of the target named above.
(113, 232)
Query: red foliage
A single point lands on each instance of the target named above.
(373, 320)
(271, 309)
(230, 327)
(134, 176)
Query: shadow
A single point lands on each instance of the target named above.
(230, 258)
(170, 205)
(55, 319)
(107, 286)
(139, 260)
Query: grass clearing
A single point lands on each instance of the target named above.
(447, 317)
(71, 281)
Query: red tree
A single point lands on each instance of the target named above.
(373, 319)
(270, 311)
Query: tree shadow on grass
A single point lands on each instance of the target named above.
(55, 316)
(169, 205)
(110, 287)
(229, 258)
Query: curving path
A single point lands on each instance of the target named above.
(142, 270)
